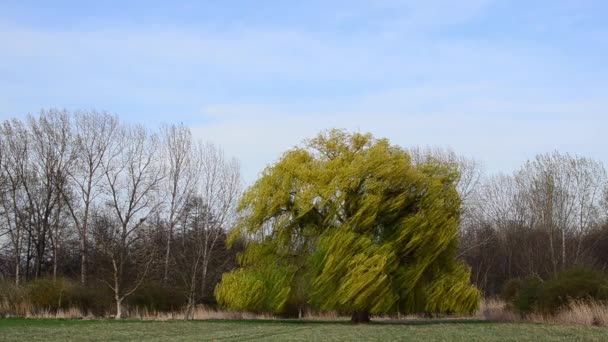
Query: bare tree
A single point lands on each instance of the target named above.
(15, 155)
(94, 132)
(54, 155)
(82, 181)
(470, 174)
(500, 206)
(563, 193)
(208, 217)
(542, 215)
(470, 169)
(604, 201)
(590, 179)
(133, 174)
(37, 158)
(181, 165)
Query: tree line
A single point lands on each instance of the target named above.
(117, 206)
(546, 217)
(85, 195)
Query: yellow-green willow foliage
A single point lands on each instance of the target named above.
(263, 288)
(348, 223)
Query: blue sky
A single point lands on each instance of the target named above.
(496, 80)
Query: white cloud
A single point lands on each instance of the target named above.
(488, 131)
(370, 66)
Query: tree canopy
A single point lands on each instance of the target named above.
(348, 222)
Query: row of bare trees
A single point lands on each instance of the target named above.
(87, 197)
(549, 215)
(129, 203)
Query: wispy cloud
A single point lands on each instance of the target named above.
(487, 131)
(495, 80)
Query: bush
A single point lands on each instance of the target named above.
(526, 297)
(48, 294)
(14, 300)
(576, 284)
(580, 284)
(95, 300)
(511, 288)
(157, 298)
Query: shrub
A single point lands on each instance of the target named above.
(511, 288)
(580, 284)
(95, 300)
(157, 298)
(526, 297)
(48, 294)
(14, 300)
(45, 294)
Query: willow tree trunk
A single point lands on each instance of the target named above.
(360, 317)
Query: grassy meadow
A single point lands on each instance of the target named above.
(13, 329)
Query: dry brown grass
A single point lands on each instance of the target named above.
(201, 312)
(322, 316)
(496, 310)
(584, 313)
(26, 310)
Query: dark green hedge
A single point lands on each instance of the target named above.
(548, 297)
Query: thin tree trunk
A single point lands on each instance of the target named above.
(117, 296)
(118, 307)
(168, 251)
(83, 260)
(56, 238)
(563, 249)
(553, 260)
(54, 265)
(83, 242)
(28, 256)
(191, 298)
(204, 277)
(17, 268)
(17, 255)
(192, 291)
(190, 308)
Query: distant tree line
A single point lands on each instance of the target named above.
(85, 196)
(119, 208)
(546, 217)
(549, 215)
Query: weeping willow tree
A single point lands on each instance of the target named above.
(348, 223)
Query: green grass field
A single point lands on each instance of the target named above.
(432, 330)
